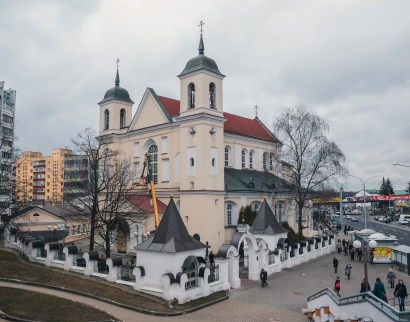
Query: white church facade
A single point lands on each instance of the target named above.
(212, 162)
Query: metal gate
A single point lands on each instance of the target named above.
(244, 268)
(125, 273)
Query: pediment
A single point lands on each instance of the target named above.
(150, 112)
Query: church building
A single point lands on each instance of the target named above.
(213, 162)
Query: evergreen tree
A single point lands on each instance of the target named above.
(386, 188)
(247, 216)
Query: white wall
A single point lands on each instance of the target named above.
(165, 170)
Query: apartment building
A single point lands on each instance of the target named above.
(7, 111)
(40, 178)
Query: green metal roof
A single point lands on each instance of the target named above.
(201, 62)
(117, 93)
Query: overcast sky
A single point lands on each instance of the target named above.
(348, 60)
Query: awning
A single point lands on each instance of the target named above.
(325, 237)
(282, 242)
(93, 255)
(72, 249)
(188, 261)
(303, 242)
(318, 239)
(54, 246)
(37, 244)
(310, 240)
(116, 261)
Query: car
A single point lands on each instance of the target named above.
(354, 219)
(376, 218)
(348, 217)
(403, 222)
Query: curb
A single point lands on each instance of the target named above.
(133, 308)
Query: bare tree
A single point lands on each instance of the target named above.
(314, 160)
(99, 179)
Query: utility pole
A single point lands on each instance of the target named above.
(341, 205)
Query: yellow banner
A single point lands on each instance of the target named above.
(382, 253)
(326, 200)
(401, 204)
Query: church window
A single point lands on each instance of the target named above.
(191, 185)
(84, 228)
(78, 230)
(213, 162)
(251, 160)
(153, 151)
(243, 159)
(280, 211)
(191, 162)
(74, 230)
(212, 95)
(106, 120)
(191, 96)
(229, 214)
(271, 162)
(122, 118)
(192, 275)
(265, 161)
(256, 207)
(226, 157)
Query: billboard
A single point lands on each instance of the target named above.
(382, 254)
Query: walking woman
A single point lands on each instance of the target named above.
(400, 292)
(363, 288)
(337, 286)
(348, 270)
(378, 289)
(391, 278)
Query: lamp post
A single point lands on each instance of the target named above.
(406, 166)
(55, 228)
(364, 196)
(372, 244)
(340, 206)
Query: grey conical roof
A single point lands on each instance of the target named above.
(117, 93)
(266, 222)
(171, 235)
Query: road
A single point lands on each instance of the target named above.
(402, 232)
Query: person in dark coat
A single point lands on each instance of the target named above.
(211, 259)
(352, 253)
(348, 270)
(401, 293)
(335, 264)
(378, 289)
(391, 278)
(263, 276)
(363, 288)
(345, 250)
(337, 286)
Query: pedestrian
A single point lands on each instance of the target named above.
(335, 264)
(348, 270)
(400, 292)
(363, 288)
(352, 252)
(211, 259)
(337, 286)
(263, 276)
(378, 289)
(391, 278)
(345, 250)
(360, 254)
(339, 246)
(371, 258)
(350, 247)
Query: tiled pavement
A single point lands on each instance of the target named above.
(282, 300)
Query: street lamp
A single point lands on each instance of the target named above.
(55, 228)
(372, 244)
(340, 206)
(364, 196)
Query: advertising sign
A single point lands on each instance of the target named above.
(382, 254)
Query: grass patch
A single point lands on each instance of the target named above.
(43, 307)
(11, 267)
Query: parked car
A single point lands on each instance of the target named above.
(354, 219)
(348, 217)
(403, 222)
(376, 218)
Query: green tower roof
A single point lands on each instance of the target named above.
(117, 93)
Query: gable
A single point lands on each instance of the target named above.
(150, 112)
(37, 215)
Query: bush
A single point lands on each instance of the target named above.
(292, 235)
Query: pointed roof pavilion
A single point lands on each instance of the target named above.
(266, 223)
(172, 235)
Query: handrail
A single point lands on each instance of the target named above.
(372, 299)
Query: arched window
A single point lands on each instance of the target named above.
(251, 159)
(228, 156)
(265, 161)
(229, 214)
(243, 158)
(213, 162)
(191, 185)
(191, 96)
(192, 275)
(271, 162)
(122, 118)
(84, 228)
(212, 95)
(106, 120)
(78, 229)
(191, 162)
(256, 207)
(280, 211)
(153, 151)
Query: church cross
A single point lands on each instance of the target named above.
(256, 110)
(118, 60)
(200, 25)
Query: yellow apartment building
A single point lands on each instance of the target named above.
(40, 178)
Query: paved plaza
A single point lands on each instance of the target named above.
(282, 300)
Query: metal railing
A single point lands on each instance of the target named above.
(214, 274)
(78, 259)
(125, 273)
(379, 304)
(59, 255)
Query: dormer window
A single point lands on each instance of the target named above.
(212, 95)
(122, 118)
(106, 119)
(191, 96)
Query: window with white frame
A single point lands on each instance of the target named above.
(265, 161)
(243, 158)
(229, 214)
(153, 151)
(78, 229)
(106, 120)
(122, 118)
(280, 211)
(271, 258)
(74, 229)
(271, 160)
(226, 157)
(192, 275)
(251, 159)
(256, 207)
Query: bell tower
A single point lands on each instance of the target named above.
(115, 108)
(202, 148)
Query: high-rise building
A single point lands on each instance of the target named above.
(40, 178)
(7, 110)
